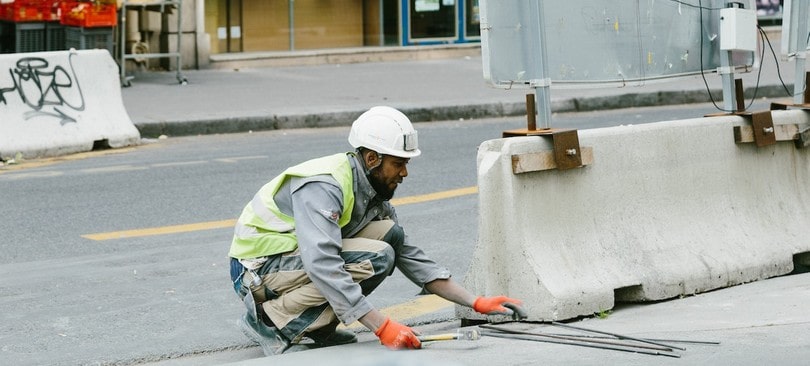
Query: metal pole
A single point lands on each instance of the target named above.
(382, 23)
(122, 30)
(801, 53)
(726, 72)
(179, 49)
(543, 85)
(291, 14)
(727, 75)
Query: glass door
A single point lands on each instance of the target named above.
(432, 20)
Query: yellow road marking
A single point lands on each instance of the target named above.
(114, 168)
(237, 159)
(410, 309)
(175, 229)
(434, 196)
(42, 174)
(178, 163)
(44, 162)
(161, 230)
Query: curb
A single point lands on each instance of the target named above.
(440, 113)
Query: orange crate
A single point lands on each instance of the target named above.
(88, 15)
(50, 9)
(22, 11)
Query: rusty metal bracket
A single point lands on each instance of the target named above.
(763, 132)
(800, 138)
(567, 153)
(762, 122)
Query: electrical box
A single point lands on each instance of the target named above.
(738, 29)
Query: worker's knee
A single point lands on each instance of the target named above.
(389, 258)
(395, 236)
(382, 264)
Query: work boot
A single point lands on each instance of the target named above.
(269, 338)
(329, 336)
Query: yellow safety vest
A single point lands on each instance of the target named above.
(262, 229)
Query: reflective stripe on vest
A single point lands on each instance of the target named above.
(262, 229)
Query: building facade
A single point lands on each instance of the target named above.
(233, 27)
(285, 25)
(216, 27)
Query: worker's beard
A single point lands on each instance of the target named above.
(380, 186)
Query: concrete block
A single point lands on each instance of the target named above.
(666, 209)
(61, 102)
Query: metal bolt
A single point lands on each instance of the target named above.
(767, 130)
(571, 152)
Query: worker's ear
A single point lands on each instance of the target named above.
(372, 159)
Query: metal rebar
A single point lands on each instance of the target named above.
(575, 343)
(617, 335)
(612, 341)
(648, 339)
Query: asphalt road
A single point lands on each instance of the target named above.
(68, 297)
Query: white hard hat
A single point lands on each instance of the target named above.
(386, 131)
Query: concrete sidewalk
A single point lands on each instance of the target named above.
(760, 323)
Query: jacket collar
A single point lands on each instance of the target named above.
(363, 186)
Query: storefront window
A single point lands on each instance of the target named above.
(472, 19)
(224, 20)
(432, 19)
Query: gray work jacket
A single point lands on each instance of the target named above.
(316, 203)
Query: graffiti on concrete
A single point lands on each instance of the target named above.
(50, 91)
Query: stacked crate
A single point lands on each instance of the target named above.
(53, 25)
(54, 30)
(89, 25)
(23, 26)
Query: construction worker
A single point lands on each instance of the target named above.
(321, 236)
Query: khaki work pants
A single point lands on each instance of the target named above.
(291, 301)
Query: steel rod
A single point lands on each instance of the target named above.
(613, 342)
(616, 335)
(648, 339)
(575, 343)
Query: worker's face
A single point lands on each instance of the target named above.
(388, 175)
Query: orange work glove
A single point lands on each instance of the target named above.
(397, 336)
(498, 305)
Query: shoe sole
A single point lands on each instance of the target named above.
(337, 338)
(269, 348)
(329, 344)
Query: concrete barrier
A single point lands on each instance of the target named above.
(55, 103)
(664, 210)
